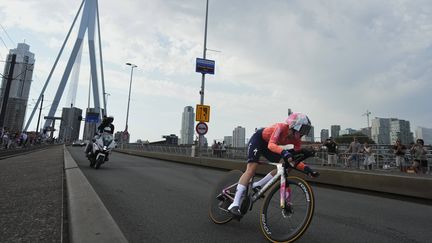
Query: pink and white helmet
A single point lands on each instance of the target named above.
(299, 122)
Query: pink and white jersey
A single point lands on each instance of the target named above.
(276, 135)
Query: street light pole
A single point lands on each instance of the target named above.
(130, 86)
(204, 56)
(201, 137)
(106, 102)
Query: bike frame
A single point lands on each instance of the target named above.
(281, 174)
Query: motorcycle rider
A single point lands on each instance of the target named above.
(106, 123)
(266, 142)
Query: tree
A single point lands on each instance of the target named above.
(348, 138)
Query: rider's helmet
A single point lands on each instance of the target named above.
(110, 119)
(300, 123)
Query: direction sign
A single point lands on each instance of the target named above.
(201, 128)
(92, 117)
(202, 113)
(205, 66)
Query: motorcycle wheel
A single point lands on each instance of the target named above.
(99, 162)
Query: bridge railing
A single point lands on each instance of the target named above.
(383, 154)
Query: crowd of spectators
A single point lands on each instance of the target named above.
(15, 139)
(410, 158)
(218, 148)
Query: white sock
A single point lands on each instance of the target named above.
(240, 190)
(263, 181)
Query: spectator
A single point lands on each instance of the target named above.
(332, 150)
(223, 149)
(354, 149)
(5, 140)
(399, 151)
(23, 139)
(369, 158)
(219, 151)
(420, 163)
(215, 148)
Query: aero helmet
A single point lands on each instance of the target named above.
(299, 122)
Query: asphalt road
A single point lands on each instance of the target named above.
(160, 201)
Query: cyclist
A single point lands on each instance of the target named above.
(266, 142)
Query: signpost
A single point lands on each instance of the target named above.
(205, 66)
(201, 128)
(92, 117)
(202, 113)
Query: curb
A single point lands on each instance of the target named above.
(89, 220)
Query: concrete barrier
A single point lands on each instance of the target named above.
(89, 220)
(412, 186)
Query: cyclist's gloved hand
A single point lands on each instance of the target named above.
(311, 172)
(314, 174)
(286, 154)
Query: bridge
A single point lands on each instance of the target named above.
(141, 199)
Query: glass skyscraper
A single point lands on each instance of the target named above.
(15, 104)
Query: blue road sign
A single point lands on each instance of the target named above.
(205, 66)
(92, 117)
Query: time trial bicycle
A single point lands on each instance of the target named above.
(288, 207)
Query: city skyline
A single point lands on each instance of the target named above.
(331, 60)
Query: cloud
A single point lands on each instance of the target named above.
(332, 60)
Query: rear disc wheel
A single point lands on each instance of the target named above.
(219, 202)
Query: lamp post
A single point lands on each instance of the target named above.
(130, 86)
(106, 102)
(201, 137)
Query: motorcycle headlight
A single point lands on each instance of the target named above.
(105, 147)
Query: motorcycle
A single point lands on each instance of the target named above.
(102, 147)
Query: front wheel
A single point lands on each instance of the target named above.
(219, 202)
(99, 161)
(288, 224)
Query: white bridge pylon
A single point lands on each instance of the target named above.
(89, 16)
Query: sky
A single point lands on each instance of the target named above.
(332, 60)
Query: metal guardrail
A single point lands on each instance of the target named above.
(383, 154)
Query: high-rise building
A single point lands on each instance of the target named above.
(425, 134)
(334, 131)
(324, 135)
(70, 124)
(187, 127)
(388, 130)
(228, 141)
(14, 94)
(239, 137)
(380, 131)
(400, 129)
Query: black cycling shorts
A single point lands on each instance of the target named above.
(257, 147)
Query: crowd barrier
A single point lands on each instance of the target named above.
(377, 181)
